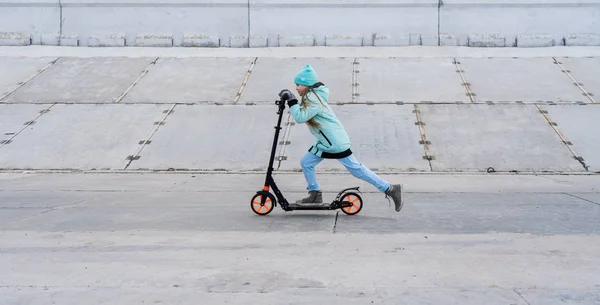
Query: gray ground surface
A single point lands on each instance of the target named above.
(460, 138)
(178, 238)
(409, 80)
(84, 219)
(449, 110)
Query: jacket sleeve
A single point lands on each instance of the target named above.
(303, 115)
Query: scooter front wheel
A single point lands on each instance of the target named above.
(356, 202)
(262, 206)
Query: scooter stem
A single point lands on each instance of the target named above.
(281, 105)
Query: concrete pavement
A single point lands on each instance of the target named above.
(126, 176)
(406, 109)
(189, 238)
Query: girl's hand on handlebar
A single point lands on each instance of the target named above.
(287, 95)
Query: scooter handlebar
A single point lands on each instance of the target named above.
(280, 103)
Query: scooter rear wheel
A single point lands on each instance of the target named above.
(262, 208)
(356, 201)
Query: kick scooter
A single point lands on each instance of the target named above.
(263, 201)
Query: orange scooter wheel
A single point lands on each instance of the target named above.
(356, 202)
(260, 206)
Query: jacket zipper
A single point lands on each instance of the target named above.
(325, 138)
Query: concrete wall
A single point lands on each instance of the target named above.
(155, 22)
(260, 23)
(24, 22)
(343, 22)
(520, 22)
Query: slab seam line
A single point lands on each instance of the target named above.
(464, 80)
(521, 296)
(159, 123)
(567, 143)
(152, 63)
(42, 112)
(288, 131)
(587, 94)
(238, 95)
(354, 80)
(593, 202)
(335, 222)
(32, 77)
(424, 141)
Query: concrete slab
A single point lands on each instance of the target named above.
(409, 80)
(559, 296)
(592, 198)
(246, 289)
(585, 71)
(81, 137)
(37, 19)
(527, 80)
(212, 247)
(270, 16)
(506, 138)
(18, 206)
(186, 80)
(17, 70)
(13, 118)
(8, 215)
(579, 125)
(413, 51)
(211, 137)
(191, 210)
(51, 200)
(538, 214)
(424, 213)
(137, 18)
(383, 137)
(82, 80)
(510, 18)
(579, 185)
(270, 75)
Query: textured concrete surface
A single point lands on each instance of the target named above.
(400, 18)
(178, 237)
(582, 70)
(507, 19)
(409, 80)
(506, 138)
(184, 80)
(577, 125)
(156, 19)
(40, 19)
(216, 138)
(526, 80)
(175, 238)
(14, 119)
(213, 127)
(21, 69)
(80, 137)
(78, 80)
(261, 23)
(303, 52)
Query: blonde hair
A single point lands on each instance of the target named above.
(305, 102)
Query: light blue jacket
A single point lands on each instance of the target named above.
(332, 140)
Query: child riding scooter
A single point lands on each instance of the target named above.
(332, 140)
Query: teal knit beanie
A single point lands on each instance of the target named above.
(306, 76)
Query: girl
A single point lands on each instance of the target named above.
(332, 140)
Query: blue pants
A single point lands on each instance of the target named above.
(357, 169)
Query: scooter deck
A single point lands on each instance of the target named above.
(294, 206)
